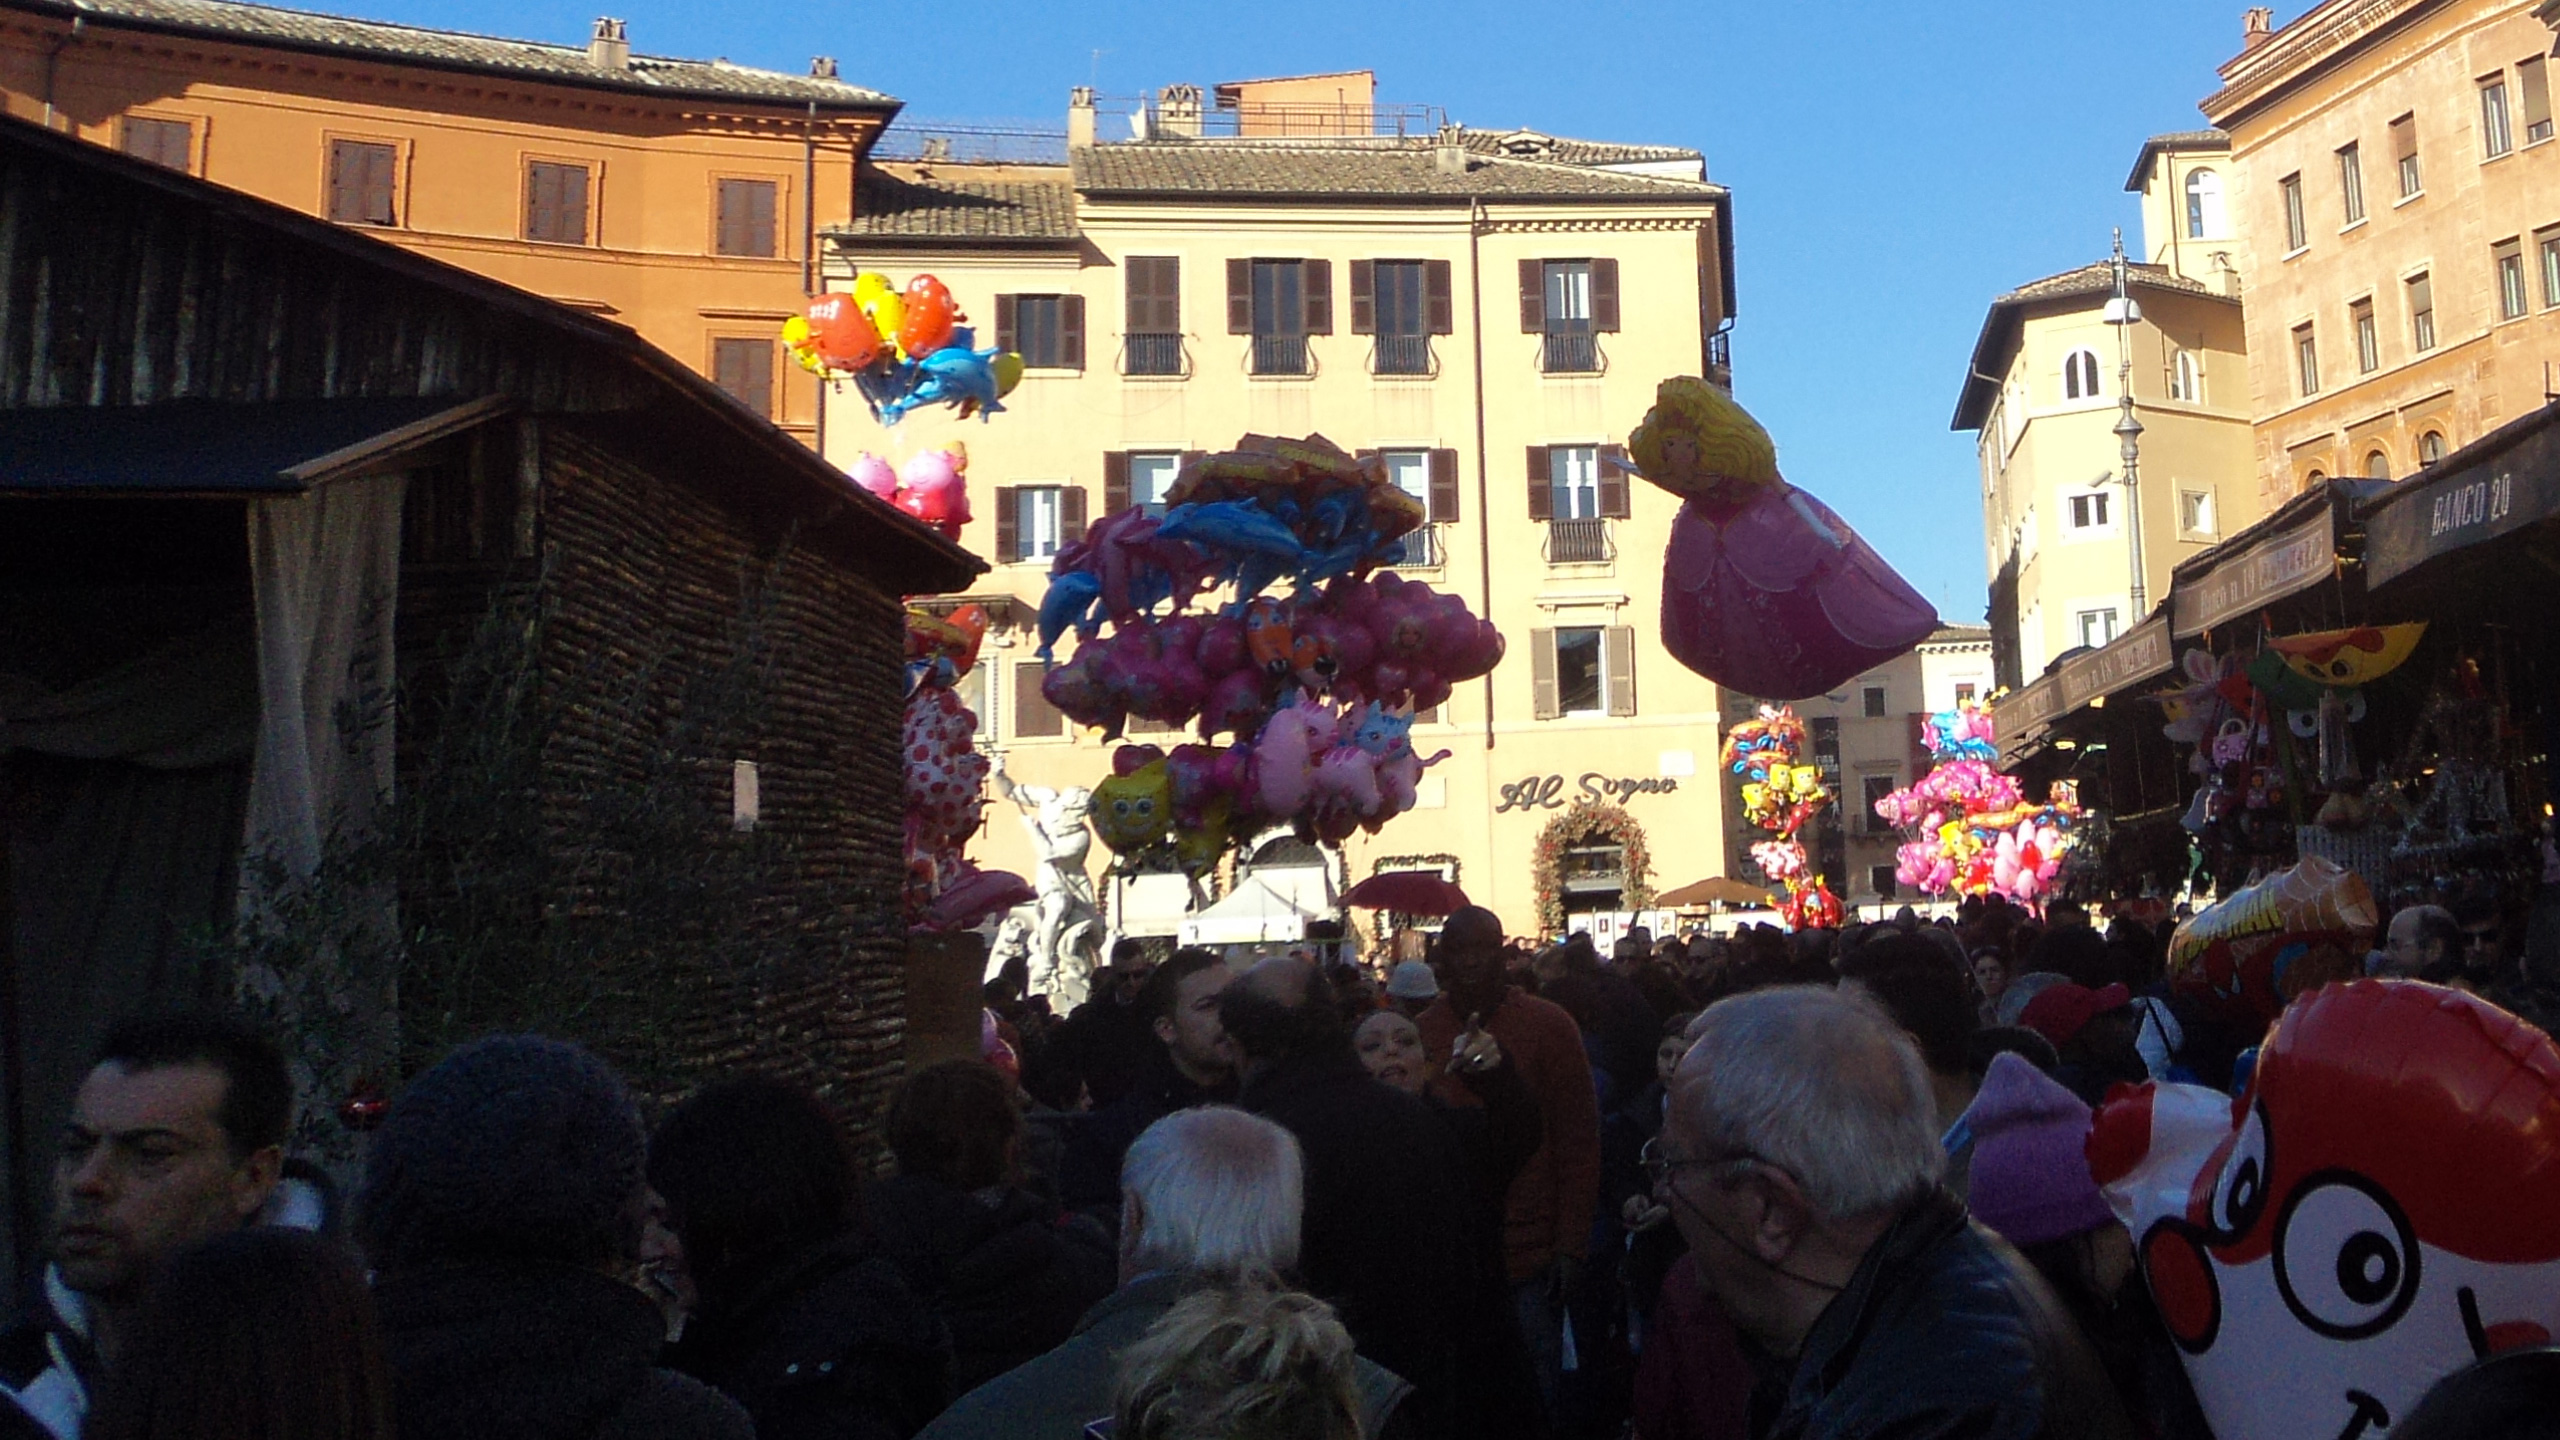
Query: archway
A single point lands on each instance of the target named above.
(1591, 857)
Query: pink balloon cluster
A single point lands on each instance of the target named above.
(933, 485)
(946, 776)
(1972, 830)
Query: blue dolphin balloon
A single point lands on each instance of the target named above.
(1070, 601)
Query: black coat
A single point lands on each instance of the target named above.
(1943, 1333)
(1618, 1027)
(825, 1343)
(538, 1352)
(1008, 1272)
(1383, 1183)
(1089, 1174)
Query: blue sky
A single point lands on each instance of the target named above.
(1893, 166)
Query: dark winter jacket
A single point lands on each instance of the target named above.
(1106, 1043)
(1008, 1272)
(826, 1343)
(1089, 1175)
(47, 1366)
(1944, 1333)
(537, 1352)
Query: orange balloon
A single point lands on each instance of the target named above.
(841, 334)
(931, 312)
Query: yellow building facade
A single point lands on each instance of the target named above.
(2397, 193)
(1491, 311)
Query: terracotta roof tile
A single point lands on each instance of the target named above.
(1383, 170)
(1534, 145)
(903, 203)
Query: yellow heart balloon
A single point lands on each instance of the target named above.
(868, 287)
(1008, 372)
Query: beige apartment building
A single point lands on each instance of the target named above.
(1488, 310)
(2043, 390)
(2398, 195)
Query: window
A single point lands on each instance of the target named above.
(1872, 700)
(2546, 246)
(1034, 718)
(1411, 472)
(2533, 86)
(1881, 879)
(1430, 476)
(1139, 477)
(2096, 627)
(1154, 330)
(1964, 691)
(2080, 375)
(2306, 360)
(360, 178)
(1570, 346)
(2204, 205)
(2404, 151)
(1280, 303)
(2377, 465)
(1583, 670)
(2297, 232)
(2430, 448)
(1035, 522)
(2507, 258)
(2351, 182)
(1872, 788)
(1578, 673)
(1574, 478)
(162, 142)
(744, 368)
(2368, 337)
(2186, 378)
(2422, 313)
(1048, 330)
(2195, 511)
(2495, 138)
(555, 203)
(1403, 303)
(2091, 510)
(746, 218)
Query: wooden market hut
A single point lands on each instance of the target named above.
(425, 655)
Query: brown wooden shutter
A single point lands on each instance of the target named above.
(1444, 486)
(730, 226)
(1070, 515)
(1316, 295)
(541, 203)
(1620, 663)
(1542, 484)
(1542, 675)
(762, 202)
(573, 204)
(1008, 526)
(1006, 330)
(1155, 295)
(1364, 297)
(1168, 293)
(1533, 296)
(1435, 302)
(1071, 331)
(342, 181)
(1115, 481)
(1604, 296)
(1239, 297)
(1613, 484)
(380, 161)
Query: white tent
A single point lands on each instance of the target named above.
(1251, 914)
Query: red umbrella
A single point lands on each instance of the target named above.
(1413, 892)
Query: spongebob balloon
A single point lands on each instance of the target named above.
(1134, 811)
(2379, 1208)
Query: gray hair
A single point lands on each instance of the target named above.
(1217, 1189)
(1820, 1083)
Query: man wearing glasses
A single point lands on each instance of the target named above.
(1800, 1159)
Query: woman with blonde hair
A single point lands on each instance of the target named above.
(1247, 1360)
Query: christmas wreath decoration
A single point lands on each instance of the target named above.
(1581, 821)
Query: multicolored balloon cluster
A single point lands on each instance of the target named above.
(946, 779)
(1973, 832)
(1780, 795)
(1317, 688)
(903, 349)
(933, 485)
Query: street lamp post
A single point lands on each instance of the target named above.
(2124, 314)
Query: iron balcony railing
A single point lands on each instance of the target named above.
(1424, 549)
(1569, 353)
(1401, 355)
(1579, 542)
(1279, 354)
(1153, 355)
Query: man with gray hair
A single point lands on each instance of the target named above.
(1800, 1158)
(1207, 1196)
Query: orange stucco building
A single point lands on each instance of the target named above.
(679, 197)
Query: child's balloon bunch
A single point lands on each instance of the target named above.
(1971, 830)
(946, 778)
(901, 348)
(1780, 795)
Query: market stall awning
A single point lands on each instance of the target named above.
(207, 447)
(2291, 550)
(2022, 717)
(1723, 889)
(1251, 914)
(2500, 483)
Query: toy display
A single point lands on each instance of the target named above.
(1972, 830)
(946, 778)
(1780, 795)
(933, 485)
(1764, 589)
(2380, 1207)
(2241, 953)
(1312, 670)
(902, 349)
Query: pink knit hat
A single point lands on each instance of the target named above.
(2030, 1179)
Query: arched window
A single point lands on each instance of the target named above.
(2080, 375)
(2431, 447)
(2315, 479)
(2204, 205)
(2377, 466)
(2186, 378)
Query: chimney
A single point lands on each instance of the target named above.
(2257, 27)
(610, 47)
(1080, 118)
(1449, 154)
(823, 67)
(1178, 110)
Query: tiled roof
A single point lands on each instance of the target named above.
(1973, 403)
(1380, 170)
(453, 49)
(2176, 142)
(943, 202)
(1572, 152)
(1959, 635)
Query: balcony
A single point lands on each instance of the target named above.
(1280, 355)
(1424, 549)
(1401, 355)
(1579, 542)
(1153, 355)
(1570, 353)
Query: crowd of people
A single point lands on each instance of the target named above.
(1828, 1184)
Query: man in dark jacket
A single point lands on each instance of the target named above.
(1107, 1041)
(1192, 1065)
(1801, 1161)
(1382, 1187)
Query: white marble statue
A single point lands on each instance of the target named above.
(1066, 926)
